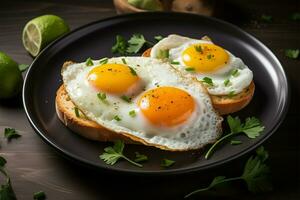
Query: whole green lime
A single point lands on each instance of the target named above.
(40, 31)
(10, 77)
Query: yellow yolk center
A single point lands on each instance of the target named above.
(113, 78)
(166, 106)
(205, 57)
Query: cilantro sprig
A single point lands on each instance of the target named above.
(252, 128)
(113, 153)
(255, 174)
(292, 53)
(10, 133)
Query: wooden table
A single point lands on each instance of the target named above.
(35, 166)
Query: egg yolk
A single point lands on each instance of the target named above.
(113, 78)
(205, 57)
(166, 106)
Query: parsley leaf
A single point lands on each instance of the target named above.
(136, 42)
(112, 154)
(158, 37)
(132, 113)
(89, 62)
(167, 163)
(120, 46)
(126, 98)
(23, 67)
(292, 53)
(10, 133)
(208, 81)
(140, 157)
(39, 195)
(255, 174)
(266, 18)
(252, 128)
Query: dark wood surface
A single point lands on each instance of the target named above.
(34, 166)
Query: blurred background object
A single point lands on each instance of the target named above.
(203, 7)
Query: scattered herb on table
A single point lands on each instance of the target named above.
(252, 128)
(113, 153)
(255, 174)
(292, 53)
(10, 133)
(39, 195)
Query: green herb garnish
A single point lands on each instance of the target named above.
(234, 72)
(120, 46)
(209, 56)
(175, 63)
(231, 94)
(117, 118)
(190, 69)
(295, 16)
(124, 61)
(76, 110)
(126, 98)
(256, 175)
(167, 163)
(252, 128)
(235, 142)
(136, 42)
(133, 72)
(23, 67)
(162, 54)
(102, 97)
(112, 154)
(132, 113)
(226, 82)
(140, 157)
(198, 48)
(10, 133)
(208, 81)
(6, 190)
(39, 195)
(158, 37)
(266, 18)
(103, 61)
(292, 53)
(89, 62)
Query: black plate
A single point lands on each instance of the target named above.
(96, 39)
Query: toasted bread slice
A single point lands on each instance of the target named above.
(225, 104)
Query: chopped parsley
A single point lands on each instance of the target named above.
(132, 71)
(209, 56)
(120, 46)
(23, 67)
(231, 94)
(198, 48)
(89, 62)
(140, 157)
(234, 72)
(167, 163)
(124, 61)
(126, 98)
(190, 69)
(76, 110)
(226, 82)
(113, 153)
(175, 63)
(235, 142)
(266, 18)
(39, 195)
(292, 53)
(103, 61)
(10, 133)
(132, 113)
(208, 81)
(163, 54)
(136, 42)
(117, 118)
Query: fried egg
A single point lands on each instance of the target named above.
(221, 72)
(146, 99)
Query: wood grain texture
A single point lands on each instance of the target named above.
(35, 166)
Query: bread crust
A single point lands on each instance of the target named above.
(223, 103)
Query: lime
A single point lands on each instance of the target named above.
(10, 77)
(40, 31)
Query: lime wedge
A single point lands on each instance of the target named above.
(40, 31)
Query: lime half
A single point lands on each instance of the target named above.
(40, 31)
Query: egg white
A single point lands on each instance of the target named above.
(203, 127)
(177, 44)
